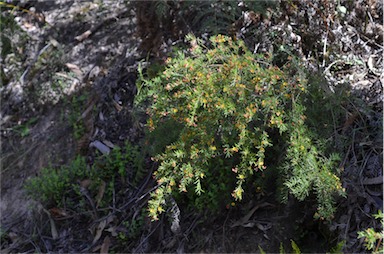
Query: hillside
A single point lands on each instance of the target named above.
(80, 161)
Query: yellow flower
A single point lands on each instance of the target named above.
(263, 103)
(239, 192)
(151, 124)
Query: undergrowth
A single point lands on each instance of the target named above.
(64, 186)
(13, 38)
(217, 17)
(373, 240)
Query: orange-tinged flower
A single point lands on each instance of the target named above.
(263, 103)
(151, 210)
(151, 124)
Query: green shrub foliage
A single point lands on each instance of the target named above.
(233, 105)
(373, 240)
(61, 186)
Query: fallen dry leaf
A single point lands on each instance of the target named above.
(117, 106)
(371, 65)
(54, 233)
(99, 230)
(100, 194)
(108, 143)
(75, 69)
(57, 212)
(85, 183)
(100, 146)
(246, 218)
(105, 245)
(112, 230)
(54, 42)
(83, 36)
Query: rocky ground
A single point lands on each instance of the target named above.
(65, 49)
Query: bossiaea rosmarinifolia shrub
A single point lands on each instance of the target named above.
(229, 101)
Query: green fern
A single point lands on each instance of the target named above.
(162, 8)
(295, 248)
(211, 17)
(338, 249)
(261, 250)
(215, 17)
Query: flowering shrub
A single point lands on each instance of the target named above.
(230, 102)
(373, 239)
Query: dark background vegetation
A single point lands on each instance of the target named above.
(68, 82)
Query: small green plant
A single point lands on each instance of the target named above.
(374, 240)
(132, 228)
(338, 248)
(52, 82)
(295, 248)
(135, 226)
(25, 128)
(120, 159)
(77, 105)
(234, 106)
(12, 44)
(53, 184)
(60, 186)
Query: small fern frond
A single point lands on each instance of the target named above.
(295, 248)
(162, 8)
